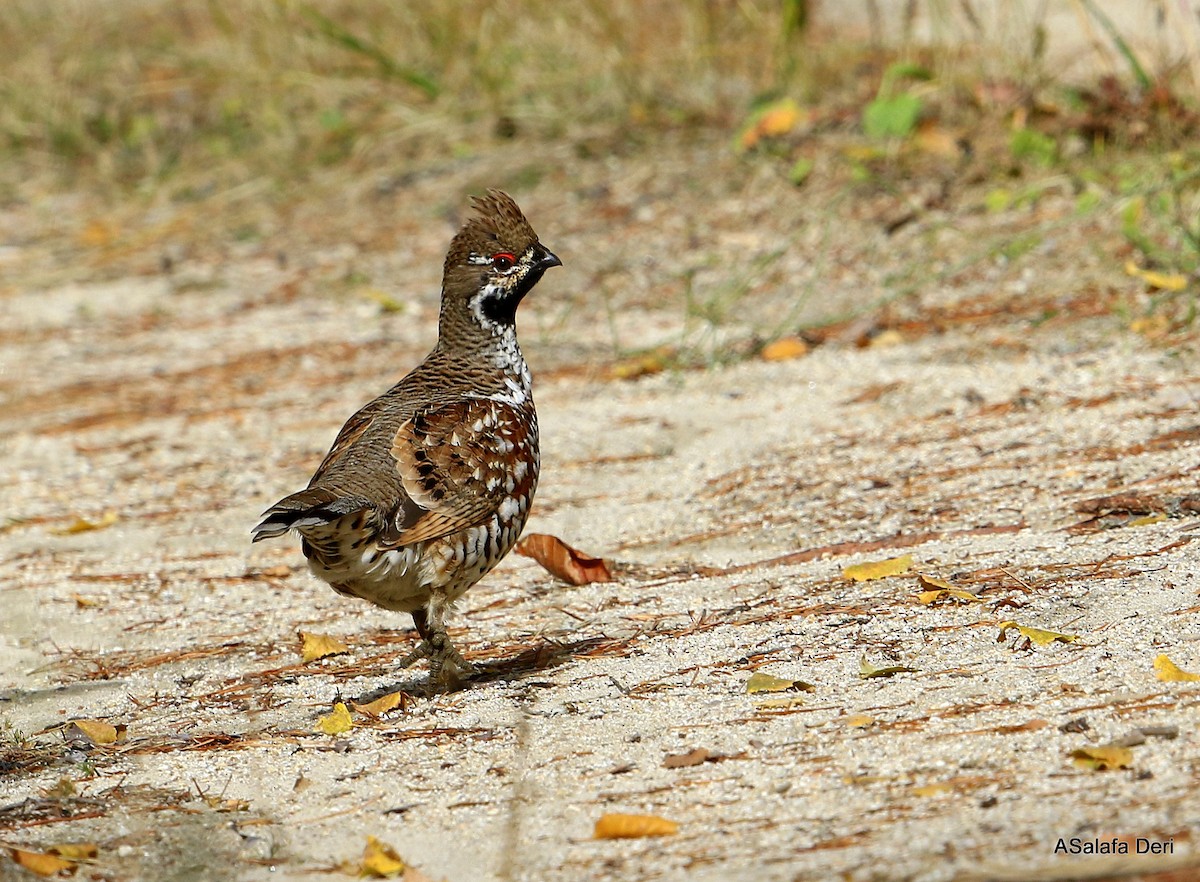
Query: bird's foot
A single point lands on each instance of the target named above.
(447, 667)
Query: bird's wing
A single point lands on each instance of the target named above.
(354, 429)
(457, 463)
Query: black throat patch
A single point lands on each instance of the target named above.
(502, 309)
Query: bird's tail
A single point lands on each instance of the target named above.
(314, 507)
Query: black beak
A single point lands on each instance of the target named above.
(548, 259)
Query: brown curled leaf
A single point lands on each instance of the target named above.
(564, 562)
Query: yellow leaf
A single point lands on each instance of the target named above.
(41, 864)
(933, 789)
(381, 706)
(83, 525)
(1162, 281)
(929, 597)
(772, 121)
(859, 721)
(1167, 671)
(884, 339)
(337, 722)
(863, 152)
(98, 233)
(619, 826)
(1152, 327)
(1037, 636)
(932, 583)
(76, 851)
(379, 860)
(879, 569)
(1099, 759)
(638, 366)
(221, 804)
(866, 670)
(1147, 520)
(97, 731)
(387, 303)
(82, 602)
(784, 349)
(760, 682)
(315, 646)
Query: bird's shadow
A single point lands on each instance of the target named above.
(537, 658)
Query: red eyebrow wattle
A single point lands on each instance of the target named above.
(507, 254)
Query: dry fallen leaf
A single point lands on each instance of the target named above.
(387, 303)
(934, 789)
(337, 722)
(878, 569)
(1162, 281)
(1103, 758)
(227, 804)
(564, 562)
(866, 670)
(381, 706)
(931, 597)
(619, 826)
(760, 682)
(1167, 671)
(859, 721)
(1152, 327)
(42, 864)
(76, 851)
(772, 121)
(639, 366)
(315, 646)
(938, 589)
(82, 602)
(933, 139)
(884, 339)
(695, 757)
(83, 525)
(380, 860)
(1146, 520)
(96, 731)
(99, 232)
(1037, 636)
(784, 349)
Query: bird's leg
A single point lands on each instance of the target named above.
(423, 649)
(446, 664)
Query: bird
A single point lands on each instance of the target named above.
(428, 486)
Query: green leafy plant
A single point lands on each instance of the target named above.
(1032, 144)
(1161, 221)
(894, 114)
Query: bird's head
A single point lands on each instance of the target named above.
(494, 261)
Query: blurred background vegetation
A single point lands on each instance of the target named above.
(156, 103)
(149, 94)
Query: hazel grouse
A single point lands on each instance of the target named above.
(428, 486)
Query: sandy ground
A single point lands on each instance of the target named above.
(993, 401)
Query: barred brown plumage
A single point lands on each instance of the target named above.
(428, 486)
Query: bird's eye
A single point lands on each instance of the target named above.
(503, 260)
